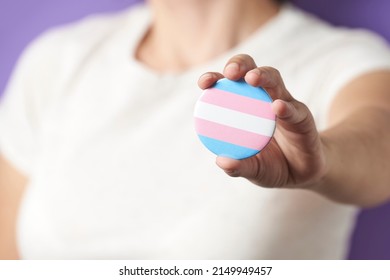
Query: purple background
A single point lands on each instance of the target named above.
(23, 20)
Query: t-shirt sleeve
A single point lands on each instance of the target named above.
(358, 54)
(21, 105)
(41, 78)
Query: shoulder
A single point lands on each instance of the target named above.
(318, 59)
(330, 54)
(50, 62)
(313, 35)
(70, 41)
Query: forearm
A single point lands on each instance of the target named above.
(357, 152)
(12, 185)
(348, 163)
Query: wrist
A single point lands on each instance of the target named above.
(324, 175)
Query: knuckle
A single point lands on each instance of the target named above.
(300, 106)
(243, 59)
(273, 71)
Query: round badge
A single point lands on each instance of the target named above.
(234, 119)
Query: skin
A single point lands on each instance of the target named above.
(12, 186)
(211, 26)
(347, 162)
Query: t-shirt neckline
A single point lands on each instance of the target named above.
(262, 34)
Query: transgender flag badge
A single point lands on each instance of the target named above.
(234, 119)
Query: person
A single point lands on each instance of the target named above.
(100, 158)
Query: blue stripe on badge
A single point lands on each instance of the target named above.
(242, 88)
(225, 149)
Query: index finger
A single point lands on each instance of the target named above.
(208, 79)
(238, 66)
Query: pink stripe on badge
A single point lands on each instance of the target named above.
(230, 135)
(239, 103)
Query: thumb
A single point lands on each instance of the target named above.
(248, 168)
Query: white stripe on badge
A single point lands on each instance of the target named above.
(235, 119)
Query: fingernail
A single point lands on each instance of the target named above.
(256, 72)
(233, 172)
(233, 67)
(205, 76)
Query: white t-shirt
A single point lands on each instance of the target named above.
(116, 169)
